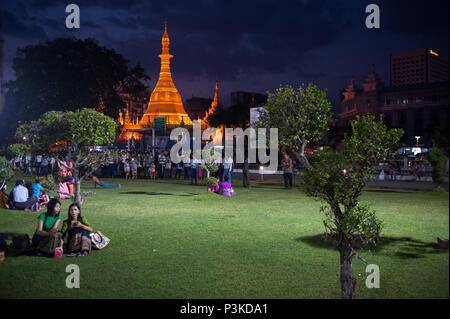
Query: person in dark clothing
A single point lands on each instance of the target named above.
(286, 165)
(245, 174)
(219, 173)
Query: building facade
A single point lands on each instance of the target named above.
(417, 67)
(414, 107)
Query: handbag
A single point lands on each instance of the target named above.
(99, 240)
(21, 242)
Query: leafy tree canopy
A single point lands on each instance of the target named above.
(301, 116)
(69, 74)
(78, 133)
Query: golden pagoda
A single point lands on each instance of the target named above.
(165, 99)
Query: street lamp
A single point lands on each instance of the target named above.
(261, 172)
(417, 140)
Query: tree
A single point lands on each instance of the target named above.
(301, 117)
(338, 179)
(15, 150)
(69, 74)
(210, 163)
(81, 132)
(6, 173)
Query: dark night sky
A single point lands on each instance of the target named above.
(246, 45)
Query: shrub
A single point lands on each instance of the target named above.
(438, 160)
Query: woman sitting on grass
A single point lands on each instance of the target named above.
(225, 188)
(77, 229)
(47, 239)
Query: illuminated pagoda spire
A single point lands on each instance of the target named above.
(127, 117)
(216, 103)
(165, 99)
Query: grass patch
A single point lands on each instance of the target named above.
(173, 240)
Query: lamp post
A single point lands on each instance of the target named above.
(261, 172)
(417, 140)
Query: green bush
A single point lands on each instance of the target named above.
(438, 160)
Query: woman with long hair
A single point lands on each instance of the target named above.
(77, 229)
(47, 239)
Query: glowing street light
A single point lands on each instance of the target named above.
(261, 172)
(417, 140)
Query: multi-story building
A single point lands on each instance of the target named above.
(417, 66)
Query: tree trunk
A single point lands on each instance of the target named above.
(348, 282)
(77, 191)
(302, 158)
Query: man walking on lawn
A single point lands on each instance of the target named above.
(286, 165)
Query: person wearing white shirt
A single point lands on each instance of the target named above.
(38, 165)
(20, 197)
(228, 168)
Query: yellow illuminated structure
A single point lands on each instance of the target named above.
(165, 99)
(216, 103)
(433, 53)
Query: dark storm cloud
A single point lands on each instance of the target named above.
(91, 24)
(323, 41)
(25, 27)
(127, 23)
(414, 16)
(233, 37)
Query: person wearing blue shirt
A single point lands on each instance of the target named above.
(36, 189)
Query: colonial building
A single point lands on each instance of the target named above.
(415, 108)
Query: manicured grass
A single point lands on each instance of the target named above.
(174, 240)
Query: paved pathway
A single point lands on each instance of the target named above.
(406, 185)
(410, 185)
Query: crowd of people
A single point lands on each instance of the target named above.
(134, 165)
(415, 169)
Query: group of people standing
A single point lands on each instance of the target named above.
(40, 165)
(134, 165)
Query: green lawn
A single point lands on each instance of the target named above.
(173, 240)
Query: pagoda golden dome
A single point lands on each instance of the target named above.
(165, 99)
